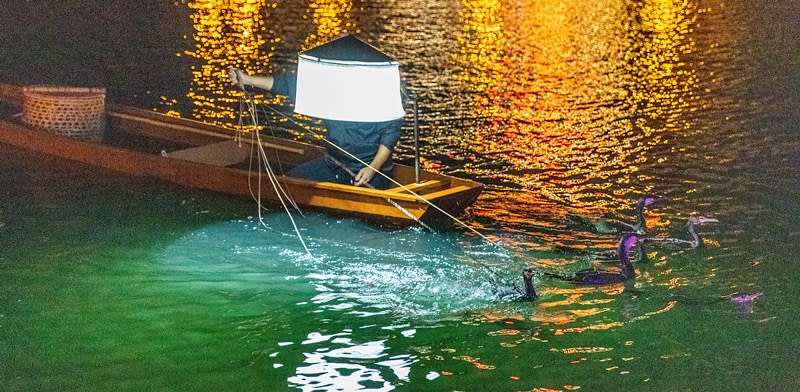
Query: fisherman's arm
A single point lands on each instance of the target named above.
(390, 135)
(365, 174)
(240, 78)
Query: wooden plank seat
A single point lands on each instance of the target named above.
(225, 153)
(419, 187)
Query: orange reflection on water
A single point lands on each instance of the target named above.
(227, 33)
(562, 108)
(579, 303)
(666, 308)
(567, 316)
(476, 362)
(542, 132)
(235, 33)
(482, 46)
(499, 316)
(570, 300)
(593, 327)
(664, 86)
(332, 18)
(583, 350)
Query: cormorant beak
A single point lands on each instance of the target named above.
(703, 220)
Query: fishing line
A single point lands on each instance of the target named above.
(270, 174)
(359, 160)
(250, 169)
(308, 130)
(370, 186)
(497, 277)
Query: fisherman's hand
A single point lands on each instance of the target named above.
(364, 176)
(236, 76)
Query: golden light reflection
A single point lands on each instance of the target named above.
(569, 310)
(543, 133)
(499, 316)
(593, 327)
(583, 350)
(332, 18)
(568, 316)
(482, 49)
(666, 308)
(505, 332)
(577, 311)
(573, 93)
(236, 33)
(476, 362)
(664, 86)
(227, 33)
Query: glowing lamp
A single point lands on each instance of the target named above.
(349, 80)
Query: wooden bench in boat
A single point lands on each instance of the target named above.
(225, 153)
(420, 187)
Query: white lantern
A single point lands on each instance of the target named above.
(347, 79)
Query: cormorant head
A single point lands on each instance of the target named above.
(701, 220)
(527, 274)
(647, 201)
(745, 301)
(629, 240)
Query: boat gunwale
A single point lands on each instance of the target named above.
(457, 192)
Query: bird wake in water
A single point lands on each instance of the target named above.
(600, 277)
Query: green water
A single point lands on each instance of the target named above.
(127, 284)
(562, 108)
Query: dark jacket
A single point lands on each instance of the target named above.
(358, 138)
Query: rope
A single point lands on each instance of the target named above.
(496, 276)
(359, 160)
(392, 202)
(270, 174)
(251, 104)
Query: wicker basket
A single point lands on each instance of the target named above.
(77, 112)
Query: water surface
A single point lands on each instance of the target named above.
(563, 108)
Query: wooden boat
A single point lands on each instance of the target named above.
(197, 155)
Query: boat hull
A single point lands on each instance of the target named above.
(436, 198)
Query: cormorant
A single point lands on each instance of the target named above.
(600, 277)
(614, 226)
(527, 277)
(691, 227)
(744, 301)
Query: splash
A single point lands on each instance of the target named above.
(356, 268)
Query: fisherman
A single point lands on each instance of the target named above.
(371, 142)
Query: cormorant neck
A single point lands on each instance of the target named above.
(624, 251)
(641, 223)
(530, 293)
(696, 239)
